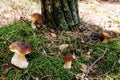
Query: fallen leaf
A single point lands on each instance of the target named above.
(84, 68)
(53, 34)
(63, 46)
(80, 76)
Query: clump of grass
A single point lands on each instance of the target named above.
(46, 66)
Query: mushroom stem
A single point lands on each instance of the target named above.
(19, 60)
(105, 40)
(67, 65)
(33, 25)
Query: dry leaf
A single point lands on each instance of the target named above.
(63, 46)
(84, 68)
(53, 34)
(80, 76)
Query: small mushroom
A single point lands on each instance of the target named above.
(107, 35)
(20, 49)
(36, 20)
(68, 58)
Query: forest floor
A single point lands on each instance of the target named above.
(103, 14)
(95, 60)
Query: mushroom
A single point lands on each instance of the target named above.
(108, 34)
(68, 58)
(36, 20)
(20, 49)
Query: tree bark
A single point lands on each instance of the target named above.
(61, 14)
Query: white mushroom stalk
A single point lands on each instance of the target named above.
(19, 60)
(20, 49)
(67, 65)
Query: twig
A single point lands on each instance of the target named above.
(90, 67)
(98, 59)
(45, 77)
(6, 64)
(73, 73)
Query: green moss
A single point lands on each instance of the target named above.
(41, 66)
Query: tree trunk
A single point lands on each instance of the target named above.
(61, 14)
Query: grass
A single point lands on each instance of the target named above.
(51, 67)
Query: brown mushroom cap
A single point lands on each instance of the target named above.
(21, 47)
(69, 57)
(37, 16)
(109, 34)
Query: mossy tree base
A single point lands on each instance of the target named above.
(61, 14)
